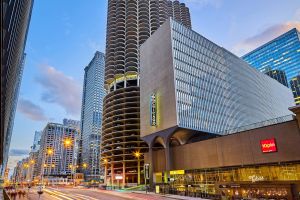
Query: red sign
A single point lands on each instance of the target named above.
(268, 145)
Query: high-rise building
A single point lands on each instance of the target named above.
(15, 18)
(58, 153)
(278, 75)
(36, 141)
(71, 122)
(295, 86)
(20, 173)
(33, 157)
(281, 53)
(91, 116)
(129, 24)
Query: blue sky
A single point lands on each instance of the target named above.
(64, 35)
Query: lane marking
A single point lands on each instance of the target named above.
(52, 196)
(59, 194)
(85, 196)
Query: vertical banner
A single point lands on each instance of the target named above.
(153, 110)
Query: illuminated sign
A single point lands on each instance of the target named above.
(268, 145)
(177, 172)
(119, 177)
(255, 178)
(153, 110)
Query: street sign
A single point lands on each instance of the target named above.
(147, 171)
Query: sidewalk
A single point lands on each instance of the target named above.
(171, 196)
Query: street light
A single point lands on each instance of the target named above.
(49, 151)
(137, 154)
(84, 165)
(67, 142)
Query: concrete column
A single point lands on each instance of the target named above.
(105, 174)
(168, 159)
(124, 175)
(112, 174)
(151, 166)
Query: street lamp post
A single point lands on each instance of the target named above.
(137, 154)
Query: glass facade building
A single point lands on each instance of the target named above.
(91, 115)
(15, 19)
(295, 86)
(278, 75)
(282, 53)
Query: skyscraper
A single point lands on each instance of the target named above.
(129, 24)
(295, 86)
(278, 75)
(91, 116)
(15, 18)
(281, 53)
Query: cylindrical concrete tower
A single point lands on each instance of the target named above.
(129, 24)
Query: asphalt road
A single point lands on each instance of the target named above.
(87, 194)
(72, 194)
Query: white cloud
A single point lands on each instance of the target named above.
(31, 110)
(60, 89)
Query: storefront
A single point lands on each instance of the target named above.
(276, 181)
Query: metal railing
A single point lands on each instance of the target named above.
(269, 122)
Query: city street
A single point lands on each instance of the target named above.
(89, 194)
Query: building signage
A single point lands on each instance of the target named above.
(268, 145)
(255, 178)
(153, 110)
(175, 172)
